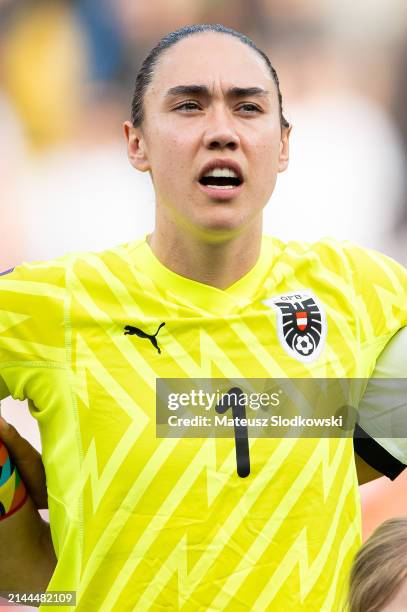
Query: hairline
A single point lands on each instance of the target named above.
(163, 53)
(206, 29)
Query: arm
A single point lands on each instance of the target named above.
(366, 473)
(27, 558)
(383, 416)
(28, 461)
(372, 459)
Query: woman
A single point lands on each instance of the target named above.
(239, 522)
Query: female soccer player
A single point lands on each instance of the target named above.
(140, 521)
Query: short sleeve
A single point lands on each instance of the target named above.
(380, 298)
(32, 330)
(380, 286)
(382, 437)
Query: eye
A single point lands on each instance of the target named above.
(248, 108)
(188, 106)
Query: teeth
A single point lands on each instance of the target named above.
(223, 172)
(220, 186)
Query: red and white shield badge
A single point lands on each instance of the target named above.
(302, 320)
(301, 324)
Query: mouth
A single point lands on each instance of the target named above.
(221, 179)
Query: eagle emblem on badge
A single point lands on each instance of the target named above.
(301, 324)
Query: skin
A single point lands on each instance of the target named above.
(27, 537)
(398, 603)
(28, 559)
(196, 235)
(365, 471)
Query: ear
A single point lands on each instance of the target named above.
(136, 147)
(284, 148)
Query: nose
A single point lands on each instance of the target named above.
(220, 132)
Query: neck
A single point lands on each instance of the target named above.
(217, 264)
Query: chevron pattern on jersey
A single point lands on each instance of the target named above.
(149, 523)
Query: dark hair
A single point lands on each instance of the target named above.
(146, 72)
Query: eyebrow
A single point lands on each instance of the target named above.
(202, 90)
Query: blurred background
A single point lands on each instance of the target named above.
(67, 72)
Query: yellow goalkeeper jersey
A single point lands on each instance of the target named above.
(147, 523)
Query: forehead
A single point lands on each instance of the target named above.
(209, 58)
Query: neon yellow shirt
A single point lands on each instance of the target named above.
(144, 523)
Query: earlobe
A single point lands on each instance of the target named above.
(284, 148)
(136, 147)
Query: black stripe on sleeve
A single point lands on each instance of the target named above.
(375, 455)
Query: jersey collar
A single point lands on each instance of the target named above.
(199, 296)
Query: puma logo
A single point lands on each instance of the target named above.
(129, 329)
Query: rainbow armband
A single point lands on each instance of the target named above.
(13, 493)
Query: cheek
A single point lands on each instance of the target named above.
(170, 155)
(265, 160)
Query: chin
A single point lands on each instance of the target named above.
(220, 227)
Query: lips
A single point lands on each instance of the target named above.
(224, 187)
(222, 163)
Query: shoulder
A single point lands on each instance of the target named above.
(344, 256)
(326, 257)
(55, 271)
(328, 247)
(35, 278)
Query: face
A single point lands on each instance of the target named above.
(211, 136)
